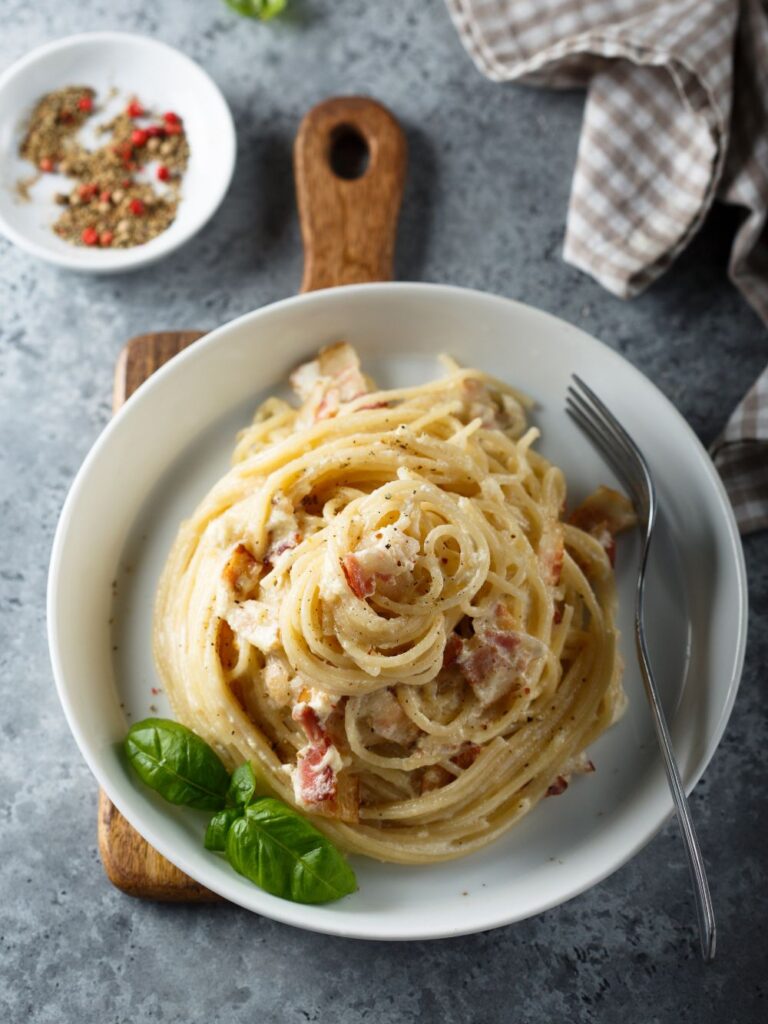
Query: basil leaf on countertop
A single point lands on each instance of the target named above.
(175, 762)
(287, 856)
(261, 9)
(242, 786)
(218, 826)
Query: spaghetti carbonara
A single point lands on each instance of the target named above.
(381, 606)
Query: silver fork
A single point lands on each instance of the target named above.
(618, 448)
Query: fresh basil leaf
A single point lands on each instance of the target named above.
(261, 9)
(218, 826)
(285, 855)
(176, 763)
(242, 786)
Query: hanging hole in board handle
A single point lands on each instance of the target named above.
(349, 154)
(349, 162)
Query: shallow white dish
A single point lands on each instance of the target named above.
(173, 439)
(162, 78)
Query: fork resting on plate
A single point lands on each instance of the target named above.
(620, 451)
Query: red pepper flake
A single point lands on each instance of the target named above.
(171, 118)
(87, 192)
(46, 164)
(90, 236)
(127, 182)
(137, 207)
(134, 109)
(139, 137)
(163, 174)
(173, 129)
(66, 117)
(105, 238)
(85, 103)
(155, 131)
(105, 196)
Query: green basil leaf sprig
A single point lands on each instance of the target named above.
(218, 826)
(242, 786)
(263, 839)
(284, 854)
(175, 762)
(261, 9)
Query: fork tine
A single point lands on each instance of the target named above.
(619, 432)
(603, 443)
(607, 415)
(590, 426)
(594, 410)
(595, 415)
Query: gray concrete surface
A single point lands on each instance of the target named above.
(485, 207)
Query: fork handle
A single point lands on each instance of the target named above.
(704, 909)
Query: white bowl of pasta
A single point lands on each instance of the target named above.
(457, 854)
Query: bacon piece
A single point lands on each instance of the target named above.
(495, 660)
(315, 778)
(496, 410)
(452, 650)
(434, 777)
(226, 646)
(242, 571)
(388, 720)
(466, 756)
(508, 641)
(579, 764)
(360, 583)
(318, 779)
(308, 718)
(347, 797)
(479, 663)
(602, 515)
(479, 403)
(489, 664)
(384, 556)
(326, 382)
(558, 786)
(336, 728)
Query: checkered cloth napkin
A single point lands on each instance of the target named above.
(676, 116)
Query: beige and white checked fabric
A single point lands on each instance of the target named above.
(741, 456)
(676, 116)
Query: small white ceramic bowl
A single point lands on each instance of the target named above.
(163, 79)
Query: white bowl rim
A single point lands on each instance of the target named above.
(130, 259)
(285, 911)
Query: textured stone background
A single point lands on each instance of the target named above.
(485, 207)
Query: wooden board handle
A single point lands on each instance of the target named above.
(349, 162)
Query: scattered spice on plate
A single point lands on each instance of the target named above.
(112, 204)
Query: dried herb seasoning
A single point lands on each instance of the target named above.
(109, 205)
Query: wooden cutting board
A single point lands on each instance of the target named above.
(349, 165)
